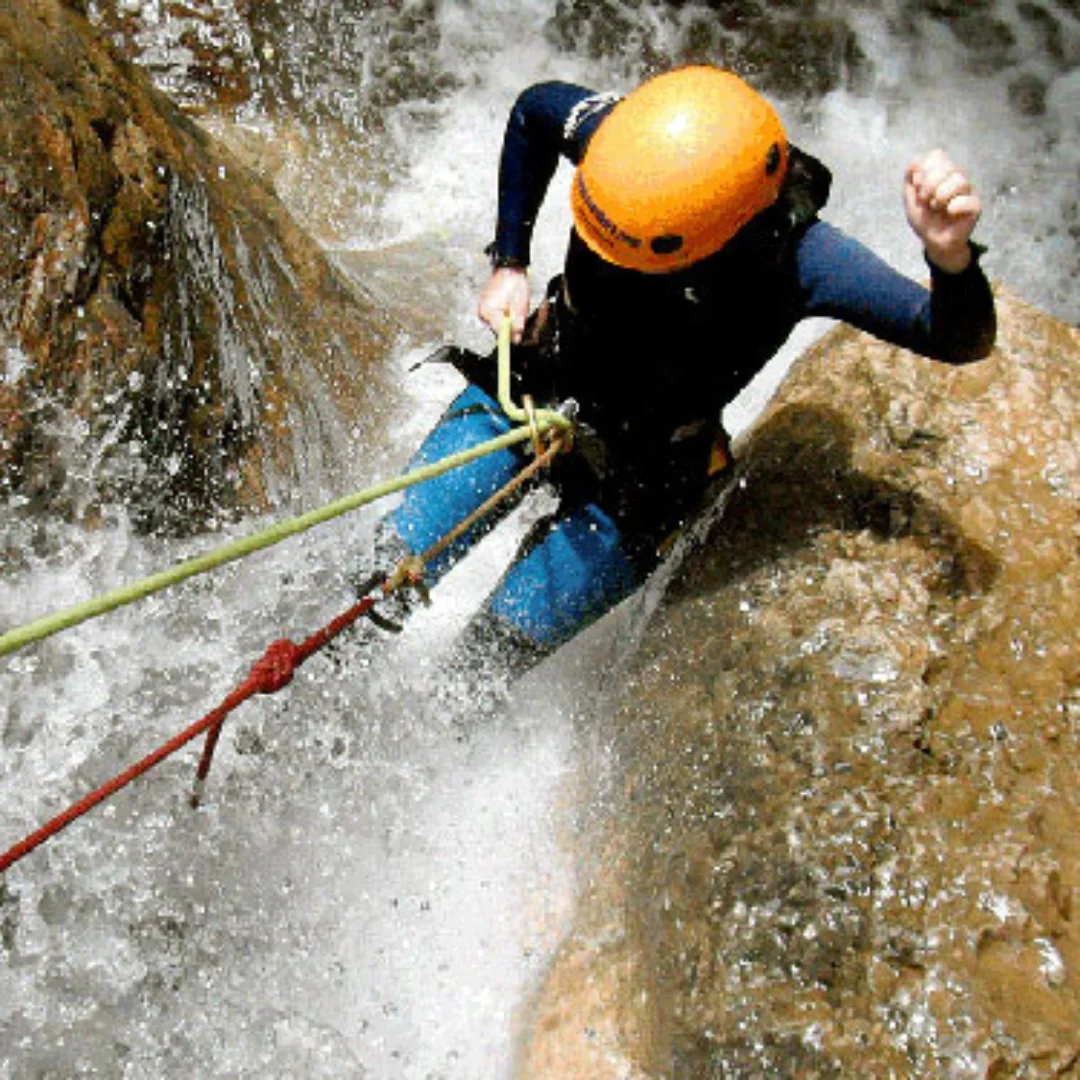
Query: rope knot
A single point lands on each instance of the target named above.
(275, 669)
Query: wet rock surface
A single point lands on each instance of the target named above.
(169, 334)
(846, 823)
(293, 85)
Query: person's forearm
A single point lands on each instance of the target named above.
(840, 278)
(953, 260)
(963, 317)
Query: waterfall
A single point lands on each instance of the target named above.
(366, 892)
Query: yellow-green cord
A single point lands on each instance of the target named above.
(543, 417)
(126, 594)
(47, 625)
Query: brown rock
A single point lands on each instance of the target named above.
(168, 332)
(848, 843)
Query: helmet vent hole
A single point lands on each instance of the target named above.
(667, 244)
(773, 159)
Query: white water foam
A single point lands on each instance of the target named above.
(363, 895)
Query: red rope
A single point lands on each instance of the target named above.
(273, 671)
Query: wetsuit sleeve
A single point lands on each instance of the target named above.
(548, 120)
(954, 320)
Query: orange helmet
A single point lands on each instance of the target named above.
(677, 168)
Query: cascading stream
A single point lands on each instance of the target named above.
(365, 892)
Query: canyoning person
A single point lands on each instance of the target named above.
(696, 247)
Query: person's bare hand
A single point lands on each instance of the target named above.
(506, 292)
(942, 208)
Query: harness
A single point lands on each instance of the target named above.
(652, 359)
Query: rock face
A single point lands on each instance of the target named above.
(167, 332)
(321, 78)
(846, 838)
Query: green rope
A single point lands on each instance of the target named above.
(47, 625)
(274, 534)
(543, 417)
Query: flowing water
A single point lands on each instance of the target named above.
(365, 892)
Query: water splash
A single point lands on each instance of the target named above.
(363, 894)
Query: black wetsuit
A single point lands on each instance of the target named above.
(652, 359)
